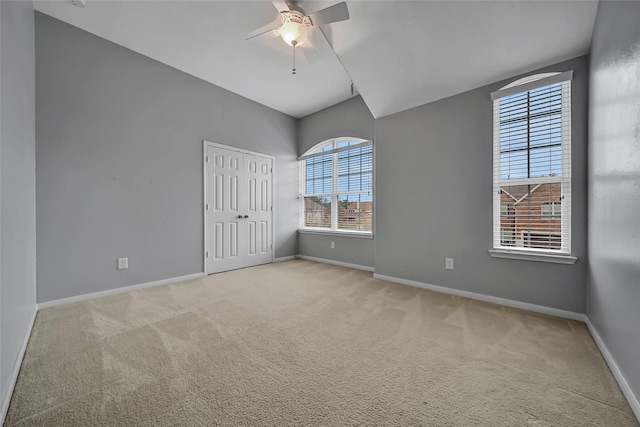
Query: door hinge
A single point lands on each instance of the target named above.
(207, 254)
(207, 159)
(207, 206)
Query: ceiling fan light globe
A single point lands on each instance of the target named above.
(292, 31)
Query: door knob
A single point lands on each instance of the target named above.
(240, 216)
(246, 216)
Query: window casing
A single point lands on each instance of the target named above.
(336, 187)
(532, 165)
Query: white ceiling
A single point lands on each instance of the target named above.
(399, 54)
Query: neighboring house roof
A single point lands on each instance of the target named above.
(520, 192)
(313, 204)
(363, 206)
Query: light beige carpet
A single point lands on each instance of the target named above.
(303, 343)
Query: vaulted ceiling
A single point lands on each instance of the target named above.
(398, 54)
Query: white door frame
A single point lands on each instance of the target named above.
(206, 144)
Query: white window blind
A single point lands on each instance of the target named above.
(532, 165)
(337, 186)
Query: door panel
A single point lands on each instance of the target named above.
(264, 195)
(264, 236)
(239, 209)
(233, 239)
(252, 195)
(233, 193)
(252, 237)
(218, 236)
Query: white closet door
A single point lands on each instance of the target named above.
(259, 211)
(238, 209)
(224, 225)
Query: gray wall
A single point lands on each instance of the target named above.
(348, 118)
(119, 163)
(614, 184)
(434, 187)
(17, 184)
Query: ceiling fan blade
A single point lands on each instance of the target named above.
(310, 53)
(280, 5)
(273, 32)
(265, 29)
(337, 12)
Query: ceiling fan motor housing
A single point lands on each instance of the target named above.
(296, 17)
(294, 27)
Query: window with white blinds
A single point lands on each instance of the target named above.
(532, 164)
(337, 186)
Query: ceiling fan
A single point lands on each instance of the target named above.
(292, 25)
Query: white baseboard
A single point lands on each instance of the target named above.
(284, 258)
(16, 368)
(115, 291)
(615, 370)
(481, 297)
(340, 263)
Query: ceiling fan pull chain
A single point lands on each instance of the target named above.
(294, 43)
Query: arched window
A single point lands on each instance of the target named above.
(532, 164)
(337, 186)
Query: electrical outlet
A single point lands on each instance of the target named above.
(333, 244)
(123, 263)
(448, 263)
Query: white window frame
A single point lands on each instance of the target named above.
(562, 255)
(553, 210)
(314, 152)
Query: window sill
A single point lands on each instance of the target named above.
(533, 256)
(357, 235)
